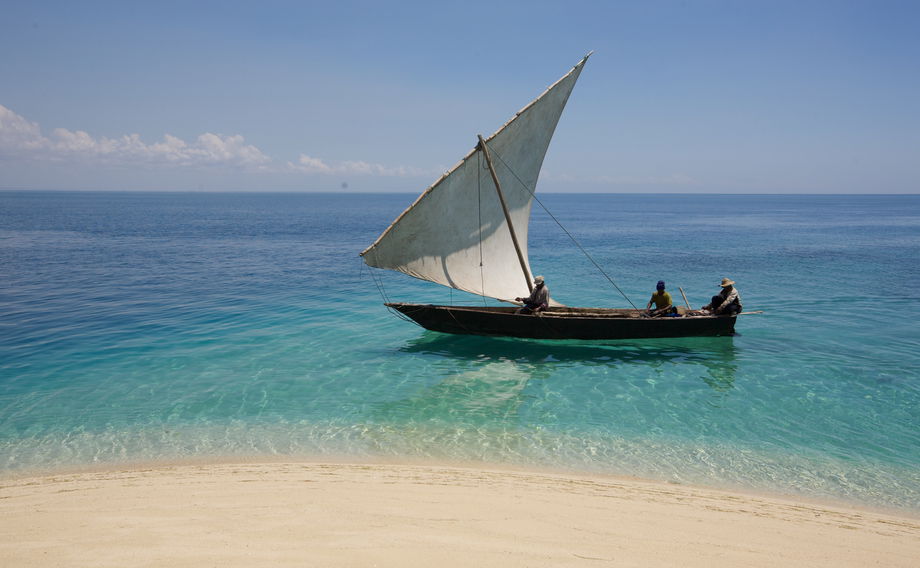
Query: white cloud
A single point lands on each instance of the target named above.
(18, 133)
(22, 138)
(311, 165)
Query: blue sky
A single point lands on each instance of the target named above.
(679, 96)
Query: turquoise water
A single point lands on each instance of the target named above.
(163, 326)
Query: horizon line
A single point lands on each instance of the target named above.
(348, 192)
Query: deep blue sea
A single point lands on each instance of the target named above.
(167, 326)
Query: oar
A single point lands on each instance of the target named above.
(685, 297)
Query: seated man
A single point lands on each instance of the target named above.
(537, 301)
(727, 302)
(662, 300)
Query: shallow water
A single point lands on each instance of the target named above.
(166, 325)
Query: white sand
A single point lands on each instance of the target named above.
(309, 514)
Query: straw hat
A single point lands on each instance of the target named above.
(538, 279)
(727, 282)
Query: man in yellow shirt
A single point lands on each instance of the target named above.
(662, 301)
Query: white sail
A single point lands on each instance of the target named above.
(456, 233)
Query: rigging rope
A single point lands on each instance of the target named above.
(482, 278)
(386, 300)
(566, 231)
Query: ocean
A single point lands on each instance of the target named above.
(139, 327)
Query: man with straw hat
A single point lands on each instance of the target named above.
(727, 302)
(538, 299)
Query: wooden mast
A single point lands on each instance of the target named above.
(501, 198)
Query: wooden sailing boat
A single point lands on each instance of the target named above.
(468, 231)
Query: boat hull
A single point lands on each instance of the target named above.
(562, 323)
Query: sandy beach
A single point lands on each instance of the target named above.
(318, 514)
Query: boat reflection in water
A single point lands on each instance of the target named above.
(550, 403)
(512, 362)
